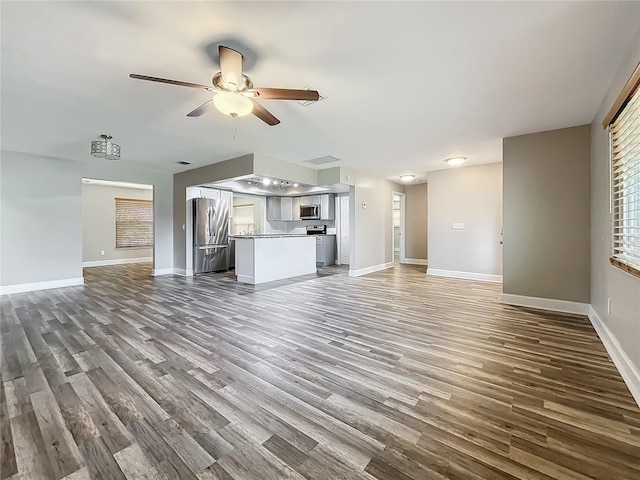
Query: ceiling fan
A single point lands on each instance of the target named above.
(234, 93)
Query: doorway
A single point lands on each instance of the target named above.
(342, 229)
(117, 225)
(398, 227)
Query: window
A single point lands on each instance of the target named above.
(134, 223)
(242, 218)
(624, 129)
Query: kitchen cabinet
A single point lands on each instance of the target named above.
(286, 208)
(210, 193)
(296, 208)
(274, 208)
(325, 250)
(327, 207)
(280, 208)
(310, 200)
(200, 192)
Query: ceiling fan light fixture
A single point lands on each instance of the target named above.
(407, 178)
(233, 104)
(455, 161)
(105, 149)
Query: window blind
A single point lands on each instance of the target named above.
(625, 183)
(242, 218)
(134, 223)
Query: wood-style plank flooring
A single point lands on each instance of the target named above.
(394, 375)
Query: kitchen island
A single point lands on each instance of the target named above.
(265, 258)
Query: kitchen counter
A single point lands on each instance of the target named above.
(268, 257)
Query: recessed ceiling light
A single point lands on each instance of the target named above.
(266, 181)
(295, 184)
(407, 178)
(182, 162)
(455, 161)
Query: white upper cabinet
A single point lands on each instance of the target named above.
(200, 192)
(296, 208)
(194, 192)
(286, 208)
(274, 208)
(327, 207)
(210, 193)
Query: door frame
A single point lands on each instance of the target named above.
(339, 228)
(403, 197)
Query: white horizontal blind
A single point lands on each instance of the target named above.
(242, 218)
(625, 177)
(134, 223)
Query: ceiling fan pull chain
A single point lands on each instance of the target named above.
(234, 128)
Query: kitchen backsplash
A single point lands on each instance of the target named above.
(298, 226)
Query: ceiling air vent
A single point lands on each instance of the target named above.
(322, 160)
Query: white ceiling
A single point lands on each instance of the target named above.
(407, 84)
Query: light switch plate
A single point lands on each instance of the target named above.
(457, 226)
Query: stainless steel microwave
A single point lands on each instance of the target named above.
(309, 212)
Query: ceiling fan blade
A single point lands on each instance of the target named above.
(170, 82)
(230, 66)
(264, 115)
(286, 94)
(200, 110)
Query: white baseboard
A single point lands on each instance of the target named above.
(162, 271)
(117, 261)
(374, 268)
(563, 306)
(416, 261)
(246, 279)
(484, 277)
(182, 272)
(630, 374)
(32, 287)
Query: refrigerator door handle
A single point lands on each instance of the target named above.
(207, 247)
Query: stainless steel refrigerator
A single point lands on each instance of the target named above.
(210, 235)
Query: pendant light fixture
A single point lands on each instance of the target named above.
(105, 149)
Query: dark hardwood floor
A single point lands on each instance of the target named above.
(393, 375)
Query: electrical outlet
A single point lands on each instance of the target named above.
(608, 305)
(457, 226)
(101, 252)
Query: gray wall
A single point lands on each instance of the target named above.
(99, 222)
(41, 214)
(276, 168)
(608, 282)
(546, 214)
(41, 227)
(371, 231)
(473, 196)
(416, 208)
